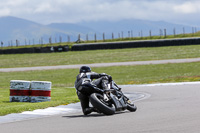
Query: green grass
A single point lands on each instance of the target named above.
(63, 79)
(61, 93)
(39, 45)
(99, 56)
(161, 73)
(60, 96)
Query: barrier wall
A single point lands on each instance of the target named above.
(36, 50)
(136, 44)
(106, 45)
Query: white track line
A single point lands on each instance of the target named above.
(163, 84)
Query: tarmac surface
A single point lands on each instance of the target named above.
(101, 65)
(169, 108)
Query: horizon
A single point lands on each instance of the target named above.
(23, 31)
(96, 21)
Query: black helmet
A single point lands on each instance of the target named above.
(85, 69)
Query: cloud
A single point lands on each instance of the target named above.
(48, 11)
(13, 3)
(188, 7)
(4, 12)
(45, 8)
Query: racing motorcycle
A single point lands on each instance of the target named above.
(111, 100)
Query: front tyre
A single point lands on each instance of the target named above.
(98, 102)
(131, 107)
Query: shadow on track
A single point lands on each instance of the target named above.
(93, 115)
(83, 116)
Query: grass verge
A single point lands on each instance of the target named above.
(63, 79)
(99, 56)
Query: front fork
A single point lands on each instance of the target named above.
(105, 97)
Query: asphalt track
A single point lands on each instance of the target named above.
(101, 65)
(171, 108)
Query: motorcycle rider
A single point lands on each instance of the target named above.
(86, 85)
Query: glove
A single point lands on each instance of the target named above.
(103, 74)
(99, 90)
(109, 78)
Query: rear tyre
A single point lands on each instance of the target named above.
(98, 102)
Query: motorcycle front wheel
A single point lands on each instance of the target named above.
(131, 107)
(98, 102)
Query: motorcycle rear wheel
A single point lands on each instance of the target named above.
(98, 102)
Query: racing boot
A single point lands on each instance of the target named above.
(88, 111)
(95, 110)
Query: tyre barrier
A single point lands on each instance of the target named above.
(136, 44)
(19, 91)
(36, 50)
(40, 91)
(106, 45)
(30, 91)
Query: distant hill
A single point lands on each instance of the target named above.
(137, 26)
(71, 28)
(12, 29)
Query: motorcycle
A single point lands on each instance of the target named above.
(111, 100)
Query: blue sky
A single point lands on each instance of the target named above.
(73, 11)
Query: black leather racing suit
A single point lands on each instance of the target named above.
(101, 81)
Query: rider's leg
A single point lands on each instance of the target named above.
(84, 103)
